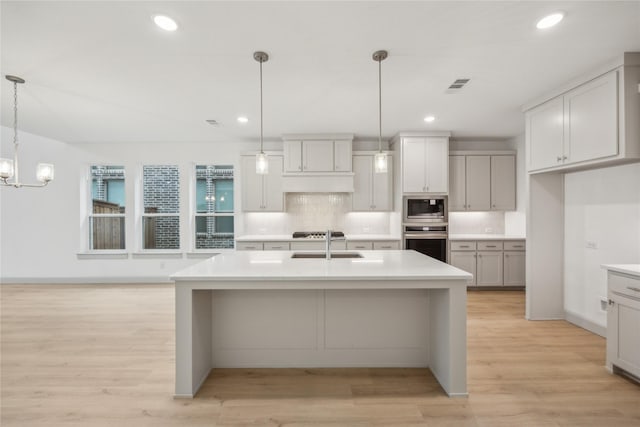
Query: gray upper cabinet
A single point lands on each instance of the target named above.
(482, 182)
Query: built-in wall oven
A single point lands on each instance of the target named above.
(425, 209)
(425, 225)
(430, 240)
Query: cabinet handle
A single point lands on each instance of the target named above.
(491, 246)
(475, 255)
(564, 157)
(633, 289)
(559, 159)
(479, 256)
(506, 255)
(299, 168)
(493, 206)
(464, 246)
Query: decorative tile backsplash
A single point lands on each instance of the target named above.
(317, 212)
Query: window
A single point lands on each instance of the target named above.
(106, 217)
(214, 207)
(161, 202)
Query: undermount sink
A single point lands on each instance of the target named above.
(323, 255)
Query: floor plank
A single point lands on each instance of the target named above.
(103, 355)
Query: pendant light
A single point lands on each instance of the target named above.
(9, 168)
(380, 159)
(262, 163)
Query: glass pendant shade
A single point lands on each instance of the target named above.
(380, 162)
(6, 168)
(262, 164)
(44, 172)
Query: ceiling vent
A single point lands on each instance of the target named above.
(212, 122)
(457, 85)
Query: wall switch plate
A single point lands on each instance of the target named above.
(591, 244)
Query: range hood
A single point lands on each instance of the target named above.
(318, 182)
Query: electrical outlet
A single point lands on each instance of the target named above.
(488, 230)
(603, 304)
(591, 244)
(162, 265)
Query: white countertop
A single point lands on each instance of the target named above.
(288, 238)
(485, 237)
(279, 266)
(631, 269)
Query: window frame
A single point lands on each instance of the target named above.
(90, 215)
(193, 203)
(141, 214)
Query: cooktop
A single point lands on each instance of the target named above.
(315, 234)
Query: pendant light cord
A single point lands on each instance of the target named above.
(380, 106)
(15, 132)
(261, 150)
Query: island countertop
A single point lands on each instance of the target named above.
(374, 266)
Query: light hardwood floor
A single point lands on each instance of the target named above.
(89, 355)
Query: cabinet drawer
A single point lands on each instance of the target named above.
(463, 245)
(489, 246)
(516, 245)
(624, 285)
(249, 246)
(393, 245)
(367, 246)
(276, 246)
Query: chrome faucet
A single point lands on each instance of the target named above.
(329, 238)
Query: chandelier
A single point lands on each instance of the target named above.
(9, 168)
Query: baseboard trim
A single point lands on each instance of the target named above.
(83, 280)
(587, 324)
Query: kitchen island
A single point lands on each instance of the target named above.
(268, 309)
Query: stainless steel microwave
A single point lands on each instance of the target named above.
(425, 209)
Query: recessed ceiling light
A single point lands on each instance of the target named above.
(429, 119)
(550, 20)
(165, 22)
(243, 119)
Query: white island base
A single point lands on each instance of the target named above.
(266, 310)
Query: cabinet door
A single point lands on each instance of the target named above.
(317, 156)
(273, 197)
(252, 185)
(362, 183)
(623, 339)
(457, 184)
(342, 156)
(503, 183)
(478, 183)
(292, 156)
(591, 120)
(437, 165)
(382, 191)
(544, 132)
(413, 168)
(514, 271)
(465, 260)
(489, 268)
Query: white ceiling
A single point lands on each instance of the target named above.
(103, 72)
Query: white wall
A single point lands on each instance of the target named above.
(40, 227)
(601, 206)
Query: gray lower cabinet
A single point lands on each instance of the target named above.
(623, 322)
(492, 263)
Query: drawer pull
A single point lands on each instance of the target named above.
(633, 289)
(464, 246)
(491, 246)
(518, 246)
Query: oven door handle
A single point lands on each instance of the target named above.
(425, 236)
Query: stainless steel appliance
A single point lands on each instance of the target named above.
(430, 240)
(315, 235)
(419, 209)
